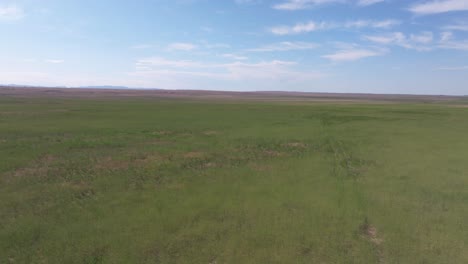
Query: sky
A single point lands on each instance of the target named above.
(347, 46)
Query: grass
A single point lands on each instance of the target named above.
(169, 181)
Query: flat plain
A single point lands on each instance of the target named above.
(208, 177)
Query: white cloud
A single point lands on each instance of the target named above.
(216, 45)
(303, 4)
(418, 42)
(454, 45)
(312, 26)
(182, 46)
(447, 41)
(234, 56)
(11, 13)
(458, 27)
(368, 2)
(425, 37)
(388, 23)
(298, 28)
(286, 46)
(352, 55)
(396, 37)
(446, 36)
(439, 6)
(54, 61)
(423, 41)
(176, 74)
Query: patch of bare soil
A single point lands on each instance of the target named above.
(194, 155)
(37, 169)
(109, 163)
(371, 234)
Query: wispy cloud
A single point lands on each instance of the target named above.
(303, 4)
(368, 2)
(388, 23)
(286, 46)
(353, 54)
(392, 38)
(312, 26)
(425, 37)
(446, 36)
(216, 45)
(454, 45)
(439, 6)
(458, 27)
(298, 28)
(11, 13)
(234, 56)
(182, 46)
(418, 42)
(173, 74)
(306, 4)
(423, 41)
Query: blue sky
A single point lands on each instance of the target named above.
(368, 46)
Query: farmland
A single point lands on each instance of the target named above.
(97, 179)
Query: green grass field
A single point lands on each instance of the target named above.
(172, 181)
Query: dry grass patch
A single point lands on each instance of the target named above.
(273, 153)
(210, 133)
(109, 163)
(295, 145)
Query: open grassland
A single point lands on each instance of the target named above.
(172, 181)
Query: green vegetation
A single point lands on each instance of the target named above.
(169, 181)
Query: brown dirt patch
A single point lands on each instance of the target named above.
(109, 163)
(194, 155)
(39, 168)
(371, 234)
(28, 172)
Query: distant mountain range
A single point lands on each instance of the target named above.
(80, 87)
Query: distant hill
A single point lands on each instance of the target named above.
(111, 87)
(105, 87)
